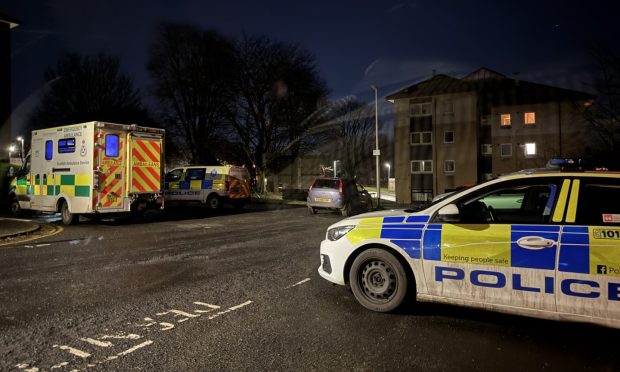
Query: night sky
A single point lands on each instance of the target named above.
(356, 43)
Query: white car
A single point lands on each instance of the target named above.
(542, 244)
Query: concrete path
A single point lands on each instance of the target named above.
(13, 226)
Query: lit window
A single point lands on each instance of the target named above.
(448, 137)
(448, 166)
(530, 149)
(505, 120)
(422, 166)
(66, 145)
(505, 150)
(49, 149)
(529, 118)
(421, 138)
(111, 145)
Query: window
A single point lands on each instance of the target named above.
(421, 109)
(174, 175)
(49, 150)
(421, 166)
(599, 203)
(195, 174)
(111, 145)
(421, 138)
(322, 183)
(505, 150)
(66, 145)
(421, 196)
(529, 118)
(448, 137)
(505, 120)
(486, 149)
(518, 203)
(529, 149)
(448, 166)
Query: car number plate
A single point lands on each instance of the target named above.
(324, 200)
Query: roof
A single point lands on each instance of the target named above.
(12, 22)
(493, 88)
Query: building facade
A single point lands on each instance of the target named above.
(451, 132)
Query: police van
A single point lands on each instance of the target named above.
(544, 244)
(211, 185)
(93, 168)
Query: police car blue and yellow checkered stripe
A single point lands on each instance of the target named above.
(583, 249)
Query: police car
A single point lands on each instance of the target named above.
(544, 244)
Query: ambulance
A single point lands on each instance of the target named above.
(542, 243)
(91, 169)
(210, 185)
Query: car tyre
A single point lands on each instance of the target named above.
(15, 208)
(68, 218)
(312, 210)
(213, 202)
(346, 210)
(378, 280)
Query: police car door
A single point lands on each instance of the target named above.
(589, 264)
(499, 249)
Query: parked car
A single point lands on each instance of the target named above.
(341, 194)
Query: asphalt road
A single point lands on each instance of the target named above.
(191, 290)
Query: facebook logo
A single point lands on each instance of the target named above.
(601, 269)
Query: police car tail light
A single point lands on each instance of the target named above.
(338, 232)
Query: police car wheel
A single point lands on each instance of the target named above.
(68, 218)
(213, 201)
(378, 280)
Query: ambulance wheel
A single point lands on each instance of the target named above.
(15, 208)
(213, 201)
(68, 218)
(378, 280)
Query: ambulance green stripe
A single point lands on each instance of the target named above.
(82, 190)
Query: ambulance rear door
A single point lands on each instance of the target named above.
(146, 156)
(110, 155)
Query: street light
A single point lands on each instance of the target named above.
(376, 152)
(11, 149)
(21, 153)
(388, 167)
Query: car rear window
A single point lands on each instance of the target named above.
(326, 184)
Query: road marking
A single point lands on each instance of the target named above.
(92, 341)
(132, 349)
(298, 283)
(178, 313)
(76, 352)
(26, 365)
(43, 245)
(59, 365)
(130, 336)
(233, 308)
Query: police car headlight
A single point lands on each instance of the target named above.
(338, 232)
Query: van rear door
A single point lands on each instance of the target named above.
(146, 155)
(110, 157)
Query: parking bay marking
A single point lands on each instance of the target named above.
(298, 283)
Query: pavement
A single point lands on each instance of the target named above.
(13, 226)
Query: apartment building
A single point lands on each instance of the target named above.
(450, 132)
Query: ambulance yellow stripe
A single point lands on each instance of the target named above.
(572, 202)
(561, 205)
(145, 179)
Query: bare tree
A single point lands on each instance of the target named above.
(86, 88)
(604, 115)
(192, 70)
(351, 133)
(278, 95)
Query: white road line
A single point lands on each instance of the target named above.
(178, 313)
(233, 308)
(59, 365)
(240, 306)
(76, 352)
(43, 245)
(298, 283)
(130, 336)
(92, 341)
(132, 349)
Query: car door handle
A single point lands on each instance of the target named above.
(535, 242)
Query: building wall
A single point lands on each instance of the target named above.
(558, 132)
(402, 152)
(464, 151)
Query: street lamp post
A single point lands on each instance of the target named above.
(377, 152)
(388, 167)
(21, 152)
(11, 149)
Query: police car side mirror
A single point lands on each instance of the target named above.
(449, 213)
